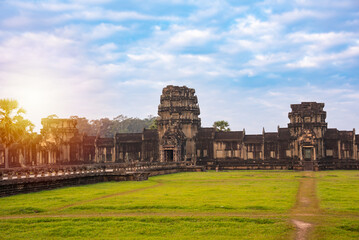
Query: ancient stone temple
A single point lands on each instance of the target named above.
(178, 124)
(305, 144)
(307, 128)
(57, 135)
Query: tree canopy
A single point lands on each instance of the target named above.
(13, 126)
(221, 126)
(105, 127)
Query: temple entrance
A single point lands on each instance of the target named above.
(308, 164)
(168, 155)
(172, 145)
(307, 153)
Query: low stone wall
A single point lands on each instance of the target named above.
(229, 164)
(176, 170)
(48, 180)
(26, 185)
(283, 164)
(333, 164)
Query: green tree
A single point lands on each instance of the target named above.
(28, 141)
(13, 126)
(154, 124)
(84, 126)
(221, 126)
(105, 127)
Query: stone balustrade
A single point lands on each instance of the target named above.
(48, 171)
(24, 180)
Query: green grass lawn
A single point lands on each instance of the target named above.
(338, 192)
(237, 191)
(265, 192)
(145, 228)
(44, 201)
(205, 205)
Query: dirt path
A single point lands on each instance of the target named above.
(108, 196)
(307, 205)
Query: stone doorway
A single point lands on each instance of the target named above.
(307, 153)
(308, 158)
(168, 156)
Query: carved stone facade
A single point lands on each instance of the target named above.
(57, 136)
(307, 128)
(306, 144)
(178, 124)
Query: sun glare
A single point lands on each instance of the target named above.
(39, 101)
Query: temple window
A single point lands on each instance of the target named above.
(204, 153)
(329, 152)
(288, 153)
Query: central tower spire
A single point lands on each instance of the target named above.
(178, 124)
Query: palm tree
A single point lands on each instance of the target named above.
(27, 141)
(13, 126)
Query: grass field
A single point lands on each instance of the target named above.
(338, 192)
(208, 205)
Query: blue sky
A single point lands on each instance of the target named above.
(247, 60)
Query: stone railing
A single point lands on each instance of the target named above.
(25, 180)
(80, 170)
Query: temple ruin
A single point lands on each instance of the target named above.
(305, 144)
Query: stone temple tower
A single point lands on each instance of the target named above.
(178, 124)
(307, 128)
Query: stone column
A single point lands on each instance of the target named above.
(296, 152)
(176, 155)
(355, 149)
(245, 155)
(162, 157)
(113, 153)
(68, 152)
(339, 150)
(50, 157)
(262, 152)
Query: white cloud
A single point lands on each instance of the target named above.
(153, 56)
(253, 26)
(110, 15)
(298, 14)
(328, 3)
(263, 60)
(86, 33)
(105, 30)
(79, 59)
(323, 40)
(49, 6)
(215, 10)
(251, 34)
(50, 74)
(56, 6)
(326, 59)
(306, 62)
(191, 37)
(18, 21)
